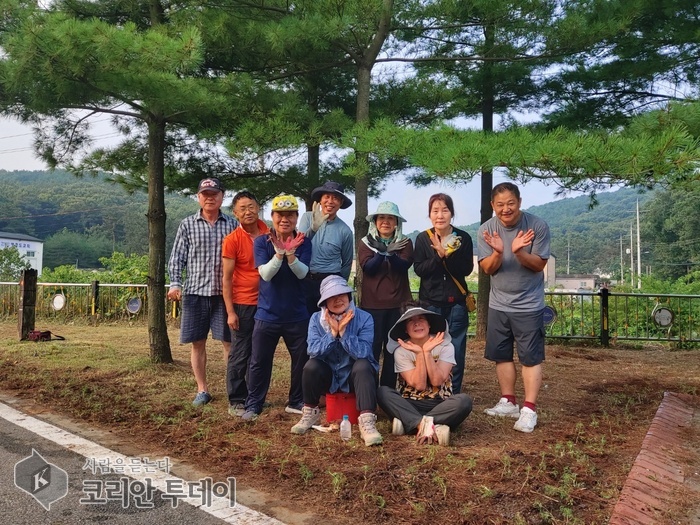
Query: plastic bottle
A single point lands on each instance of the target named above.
(345, 429)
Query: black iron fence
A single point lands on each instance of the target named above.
(603, 316)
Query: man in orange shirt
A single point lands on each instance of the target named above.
(240, 284)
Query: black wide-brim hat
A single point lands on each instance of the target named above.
(331, 187)
(436, 321)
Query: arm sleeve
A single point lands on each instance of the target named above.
(425, 259)
(372, 266)
(347, 254)
(304, 225)
(268, 270)
(178, 257)
(298, 268)
(357, 340)
(319, 341)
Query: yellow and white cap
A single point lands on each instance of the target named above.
(285, 202)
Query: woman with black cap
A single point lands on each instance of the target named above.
(424, 357)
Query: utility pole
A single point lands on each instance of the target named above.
(639, 253)
(568, 255)
(622, 263)
(632, 255)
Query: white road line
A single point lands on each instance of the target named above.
(220, 507)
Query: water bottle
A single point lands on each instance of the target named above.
(345, 429)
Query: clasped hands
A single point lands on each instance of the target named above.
(521, 240)
(287, 247)
(338, 323)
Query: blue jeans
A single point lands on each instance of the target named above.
(458, 321)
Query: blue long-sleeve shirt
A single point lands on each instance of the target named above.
(341, 354)
(331, 246)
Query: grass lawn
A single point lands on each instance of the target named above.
(594, 410)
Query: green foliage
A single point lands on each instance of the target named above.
(67, 274)
(81, 249)
(11, 264)
(131, 269)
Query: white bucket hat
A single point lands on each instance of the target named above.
(331, 286)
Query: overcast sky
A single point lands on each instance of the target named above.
(16, 154)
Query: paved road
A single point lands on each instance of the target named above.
(74, 480)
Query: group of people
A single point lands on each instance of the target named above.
(251, 284)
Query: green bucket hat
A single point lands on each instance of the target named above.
(386, 208)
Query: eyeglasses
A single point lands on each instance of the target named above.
(250, 207)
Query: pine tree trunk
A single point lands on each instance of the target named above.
(486, 186)
(157, 327)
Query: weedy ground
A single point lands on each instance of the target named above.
(594, 410)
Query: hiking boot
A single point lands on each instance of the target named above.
(368, 429)
(202, 398)
(527, 420)
(310, 416)
(443, 435)
(295, 409)
(249, 415)
(504, 408)
(236, 410)
(397, 427)
(426, 431)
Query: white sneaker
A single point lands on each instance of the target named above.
(426, 431)
(504, 408)
(527, 420)
(368, 429)
(443, 435)
(310, 416)
(397, 427)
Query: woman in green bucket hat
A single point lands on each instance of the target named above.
(385, 255)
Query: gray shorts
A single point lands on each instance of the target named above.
(200, 314)
(525, 329)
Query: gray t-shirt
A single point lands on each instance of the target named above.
(515, 288)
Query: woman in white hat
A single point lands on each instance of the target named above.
(340, 359)
(424, 356)
(385, 255)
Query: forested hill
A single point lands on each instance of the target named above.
(81, 218)
(589, 237)
(87, 218)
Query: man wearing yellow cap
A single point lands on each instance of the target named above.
(282, 258)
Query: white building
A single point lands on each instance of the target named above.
(30, 248)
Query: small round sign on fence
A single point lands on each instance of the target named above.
(133, 305)
(58, 301)
(662, 316)
(549, 315)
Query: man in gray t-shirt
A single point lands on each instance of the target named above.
(513, 249)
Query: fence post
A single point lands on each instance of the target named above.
(94, 293)
(27, 303)
(604, 327)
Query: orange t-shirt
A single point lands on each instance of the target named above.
(238, 245)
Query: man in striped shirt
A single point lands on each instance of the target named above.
(197, 250)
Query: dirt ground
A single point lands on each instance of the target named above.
(594, 410)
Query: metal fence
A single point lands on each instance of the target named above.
(601, 316)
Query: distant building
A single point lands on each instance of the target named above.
(30, 248)
(578, 281)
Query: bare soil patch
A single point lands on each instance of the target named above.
(594, 411)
